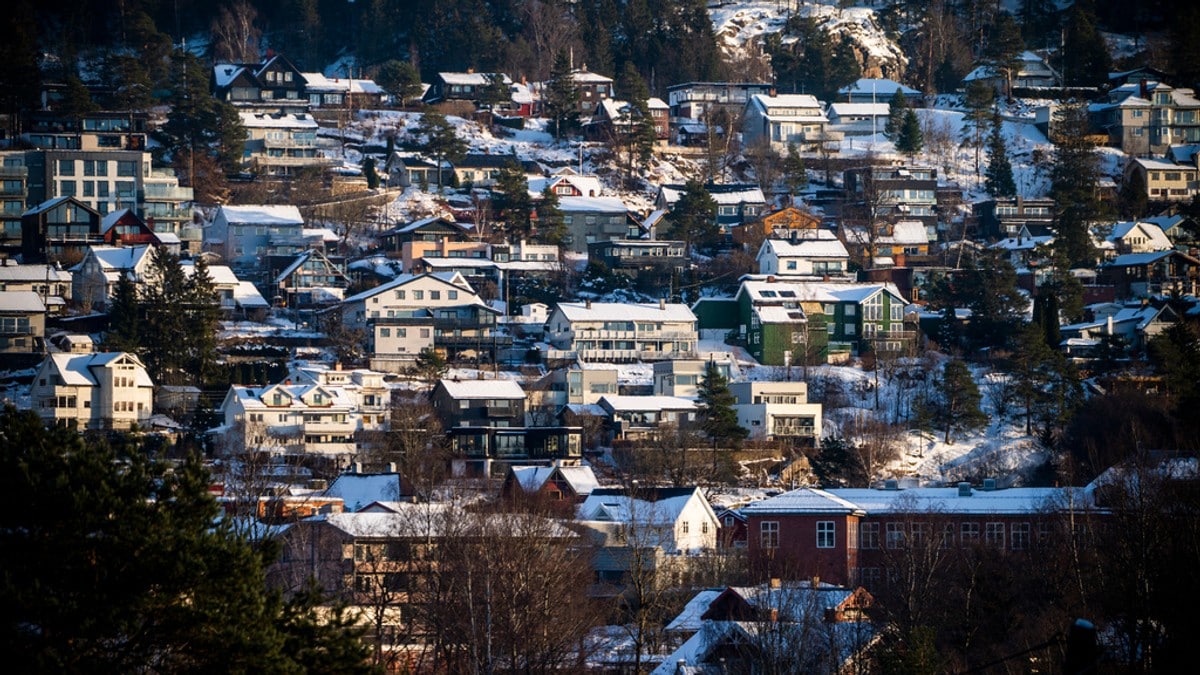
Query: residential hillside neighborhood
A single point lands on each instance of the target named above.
(539, 336)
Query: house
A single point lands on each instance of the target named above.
(1147, 117)
(1138, 237)
(796, 322)
(126, 228)
(649, 262)
(591, 219)
(412, 241)
(646, 526)
(105, 390)
(342, 92)
(273, 84)
(736, 203)
(796, 626)
(312, 279)
(51, 282)
(1026, 250)
(633, 418)
(479, 403)
(406, 169)
(698, 100)
(660, 112)
(95, 278)
(1005, 217)
(59, 230)
(777, 410)
(894, 243)
(417, 311)
(777, 224)
(1164, 180)
(281, 144)
(682, 377)
(856, 536)
(859, 119)
(233, 296)
(1031, 72)
(592, 89)
(357, 491)
(568, 184)
(468, 86)
(482, 170)
(819, 253)
(891, 193)
(1179, 228)
(786, 119)
(295, 419)
(604, 331)
(560, 486)
(1139, 275)
(22, 323)
(878, 90)
(1132, 325)
(243, 235)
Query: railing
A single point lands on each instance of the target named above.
(589, 334)
(168, 192)
(631, 355)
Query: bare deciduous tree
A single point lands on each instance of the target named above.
(235, 38)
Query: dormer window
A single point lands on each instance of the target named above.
(277, 399)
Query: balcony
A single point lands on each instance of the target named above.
(289, 143)
(629, 355)
(171, 193)
(11, 172)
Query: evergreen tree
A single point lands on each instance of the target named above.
(897, 111)
(911, 139)
(718, 419)
(76, 99)
(694, 217)
(560, 100)
(838, 464)
(999, 171)
(1085, 58)
(1032, 370)
(134, 88)
(430, 366)
(552, 224)
(117, 561)
(794, 174)
(512, 199)
(441, 142)
(636, 134)
(1046, 314)
(1039, 22)
(124, 317)
(400, 79)
(180, 317)
(1074, 178)
(960, 398)
(202, 315)
(369, 172)
(198, 122)
(979, 101)
(1133, 200)
(495, 92)
(1004, 48)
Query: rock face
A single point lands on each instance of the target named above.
(741, 26)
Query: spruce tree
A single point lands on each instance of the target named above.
(694, 217)
(960, 398)
(911, 139)
(1132, 199)
(1086, 61)
(440, 142)
(897, 110)
(551, 225)
(124, 317)
(400, 79)
(718, 419)
(794, 174)
(999, 181)
(1004, 48)
(512, 198)
(1074, 178)
(560, 100)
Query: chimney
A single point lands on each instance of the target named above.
(662, 304)
(1108, 326)
(774, 615)
(587, 303)
(964, 489)
(815, 582)
(776, 583)
(772, 93)
(337, 365)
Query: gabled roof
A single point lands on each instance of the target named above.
(823, 245)
(655, 506)
(79, 369)
(531, 478)
(721, 194)
(262, 214)
(453, 279)
(21, 301)
(597, 204)
(1137, 259)
(120, 257)
(254, 120)
(473, 79)
(789, 106)
(881, 87)
(358, 490)
(622, 403)
(759, 290)
(1151, 231)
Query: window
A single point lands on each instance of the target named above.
(435, 295)
(399, 295)
(126, 168)
(385, 332)
(791, 264)
(1020, 536)
(769, 534)
(895, 535)
(994, 534)
(66, 167)
(947, 536)
(418, 295)
(868, 535)
(920, 533)
(969, 532)
(451, 295)
(67, 188)
(704, 527)
(826, 530)
(685, 527)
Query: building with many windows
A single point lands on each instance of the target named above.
(106, 390)
(604, 331)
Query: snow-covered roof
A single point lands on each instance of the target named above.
(881, 87)
(479, 389)
(1162, 165)
(121, 257)
(587, 185)
(819, 247)
(775, 314)
(1022, 243)
(586, 76)
(531, 478)
(253, 120)
(1154, 234)
(762, 291)
(247, 296)
(859, 109)
(620, 403)
(430, 519)
(76, 369)
(728, 196)
(357, 490)
(602, 204)
(262, 214)
(1135, 259)
(621, 311)
(12, 273)
(661, 506)
(473, 79)
(806, 105)
(21, 301)
(318, 82)
(867, 501)
(225, 73)
(452, 278)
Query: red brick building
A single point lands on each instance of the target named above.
(853, 536)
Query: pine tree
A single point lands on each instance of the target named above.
(794, 174)
(960, 398)
(694, 217)
(897, 110)
(911, 139)
(124, 317)
(552, 225)
(1132, 199)
(512, 199)
(1086, 61)
(369, 172)
(1004, 48)
(979, 101)
(1074, 179)
(999, 170)
(400, 79)
(560, 100)
(441, 142)
(76, 100)
(718, 419)
(1032, 371)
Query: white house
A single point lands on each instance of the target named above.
(673, 519)
(682, 377)
(776, 410)
(787, 118)
(289, 418)
(282, 143)
(95, 278)
(611, 331)
(107, 390)
(1138, 237)
(639, 417)
(820, 255)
